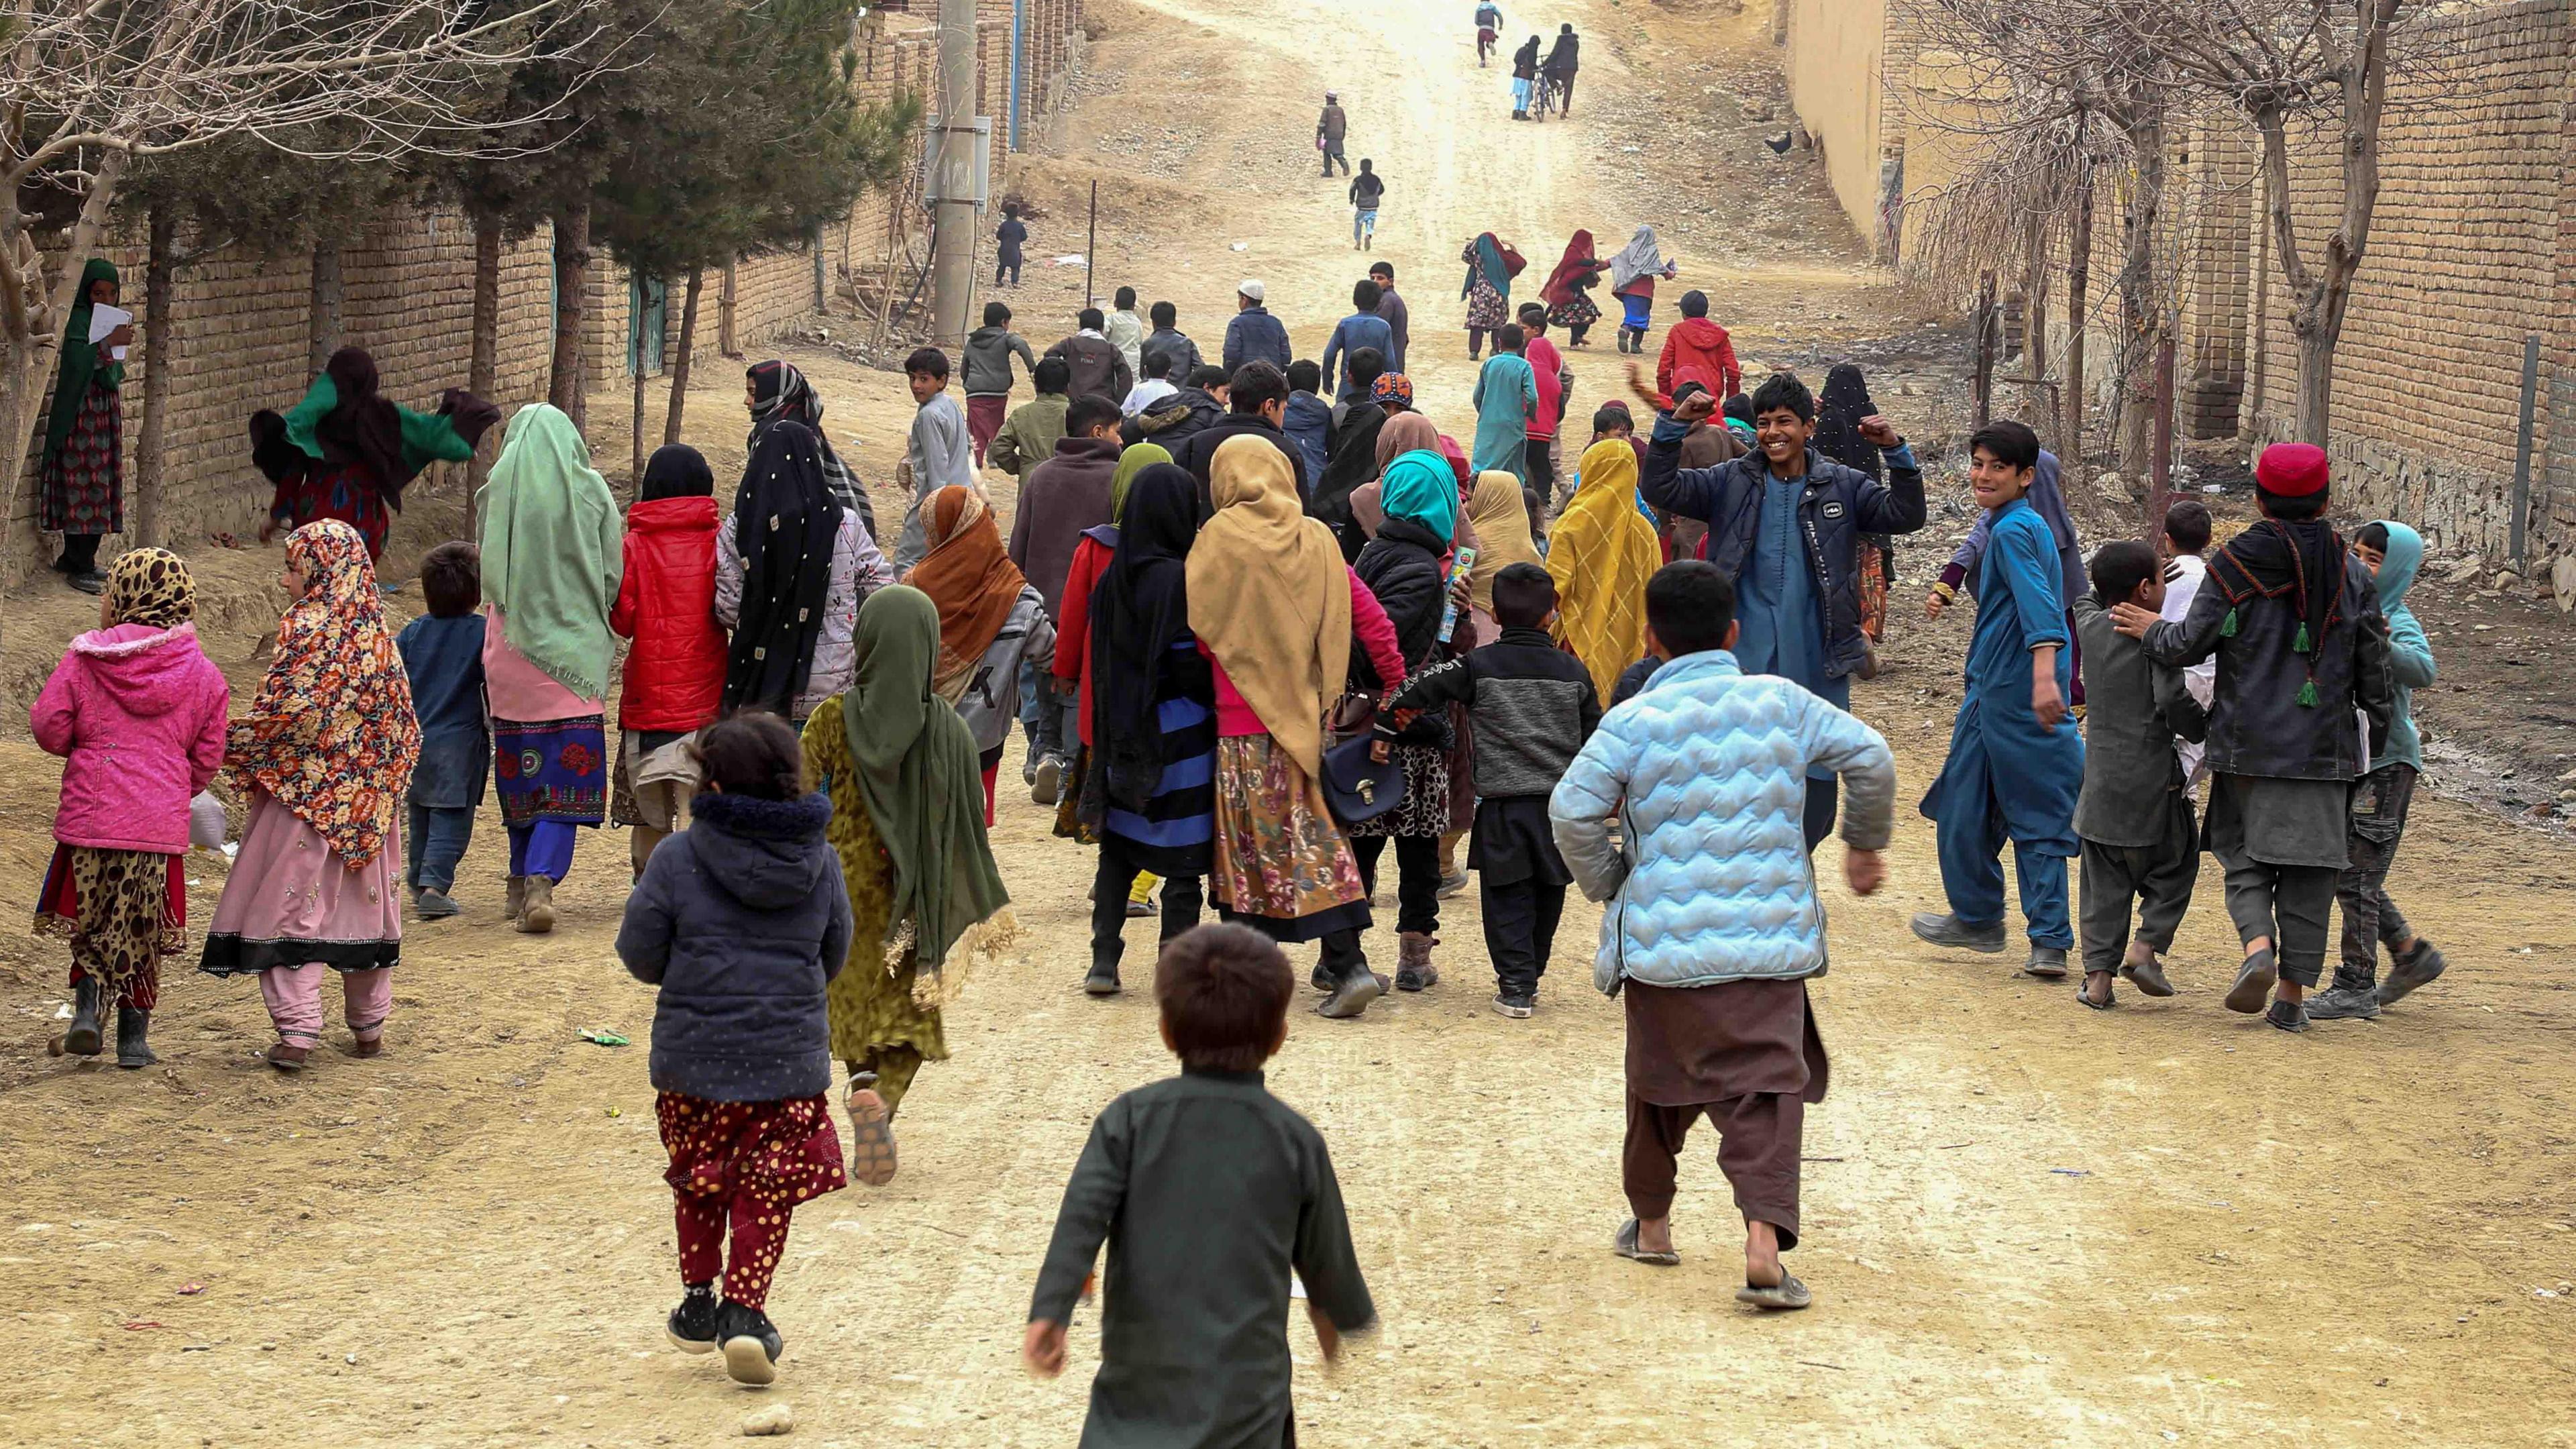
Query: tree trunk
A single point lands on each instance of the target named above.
(322, 324)
(726, 342)
(2141, 310)
(2079, 275)
(150, 463)
(483, 366)
(2316, 384)
(635, 448)
(680, 362)
(564, 382)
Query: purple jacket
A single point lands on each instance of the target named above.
(137, 713)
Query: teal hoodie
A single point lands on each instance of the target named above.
(2410, 654)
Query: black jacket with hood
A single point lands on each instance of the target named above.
(741, 919)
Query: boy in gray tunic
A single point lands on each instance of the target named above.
(2134, 815)
(1208, 1191)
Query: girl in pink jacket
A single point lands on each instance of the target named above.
(136, 710)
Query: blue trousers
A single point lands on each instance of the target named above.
(1054, 725)
(1971, 835)
(437, 838)
(544, 847)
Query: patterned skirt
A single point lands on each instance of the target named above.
(1425, 811)
(551, 770)
(1282, 866)
(83, 485)
(779, 1154)
(1580, 312)
(1486, 307)
(122, 911)
(347, 492)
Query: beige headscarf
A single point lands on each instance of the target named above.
(1502, 522)
(1403, 433)
(1271, 598)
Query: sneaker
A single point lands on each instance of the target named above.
(1048, 782)
(1514, 1006)
(750, 1342)
(1943, 929)
(1139, 909)
(692, 1325)
(1103, 980)
(432, 905)
(1452, 883)
(2409, 970)
(2288, 1015)
(2344, 1003)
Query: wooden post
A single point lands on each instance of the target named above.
(2160, 431)
(1091, 248)
(1981, 387)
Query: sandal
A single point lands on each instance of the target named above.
(2084, 994)
(1787, 1294)
(1625, 1245)
(288, 1058)
(872, 1158)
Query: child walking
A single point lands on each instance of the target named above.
(1209, 1192)
(442, 654)
(2134, 815)
(2392, 552)
(2300, 646)
(1714, 925)
(675, 673)
(741, 921)
(136, 710)
(1532, 706)
(322, 756)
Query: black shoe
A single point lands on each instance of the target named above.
(92, 582)
(2254, 982)
(1516, 1005)
(82, 1039)
(2343, 1003)
(2048, 963)
(1323, 978)
(1943, 929)
(2288, 1015)
(750, 1342)
(132, 1050)
(2409, 970)
(2149, 977)
(1352, 996)
(692, 1326)
(1103, 980)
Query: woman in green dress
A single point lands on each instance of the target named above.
(908, 820)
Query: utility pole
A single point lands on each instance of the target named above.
(952, 257)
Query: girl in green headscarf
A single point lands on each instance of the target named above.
(83, 469)
(908, 820)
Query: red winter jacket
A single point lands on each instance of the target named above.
(1697, 347)
(666, 603)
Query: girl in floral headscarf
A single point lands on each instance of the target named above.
(323, 758)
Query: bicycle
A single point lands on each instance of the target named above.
(1551, 91)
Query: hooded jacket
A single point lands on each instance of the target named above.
(137, 713)
(1098, 366)
(1169, 422)
(742, 919)
(2410, 653)
(986, 369)
(1695, 347)
(1028, 437)
(675, 673)
(1309, 423)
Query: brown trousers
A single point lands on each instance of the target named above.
(1758, 1142)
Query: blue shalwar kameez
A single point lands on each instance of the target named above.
(1783, 619)
(2008, 777)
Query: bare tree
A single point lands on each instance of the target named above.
(87, 87)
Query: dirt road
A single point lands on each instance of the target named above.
(2026, 1223)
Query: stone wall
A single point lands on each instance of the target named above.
(240, 320)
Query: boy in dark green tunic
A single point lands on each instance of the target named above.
(1208, 1191)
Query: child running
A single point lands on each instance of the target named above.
(1209, 1192)
(442, 654)
(1716, 925)
(2134, 815)
(741, 923)
(136, 710)
(1532, 706)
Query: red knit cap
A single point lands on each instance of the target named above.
(2292, 470)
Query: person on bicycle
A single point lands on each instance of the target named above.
(1562, 62)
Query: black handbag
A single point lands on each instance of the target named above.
(1358, 789)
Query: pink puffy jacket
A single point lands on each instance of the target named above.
(137, 713)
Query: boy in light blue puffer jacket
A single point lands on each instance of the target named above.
(1711, 924)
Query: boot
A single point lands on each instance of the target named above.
(640, 842)
(82, 1039)
(518, 899)
(1413, 968)
(537, 915)
(131, 1049)
(1352, 994)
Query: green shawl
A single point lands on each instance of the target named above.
(923, 786)
(426, 437)
(1136, 459)
(553, 550)
(78, 366)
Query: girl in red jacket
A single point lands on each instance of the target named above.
(136, 710)
(675, 672)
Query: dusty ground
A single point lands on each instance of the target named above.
(2027, 1224)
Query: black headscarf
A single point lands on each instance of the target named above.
(784, 524)
(1139, 610)
(779, 391)
(1353, 463)
(676, 470)
(363, 427)
(2302, 558)
(1844, 403)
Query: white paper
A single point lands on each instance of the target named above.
(104, 319)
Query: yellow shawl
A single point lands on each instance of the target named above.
(1601, 553)
(1500, 517)
(1271, 598)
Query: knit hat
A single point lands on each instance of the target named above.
(1253, 289)
(2292, 470)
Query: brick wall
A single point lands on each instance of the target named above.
(240, 320)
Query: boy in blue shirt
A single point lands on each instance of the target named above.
(1712, 924)
(442, 654)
